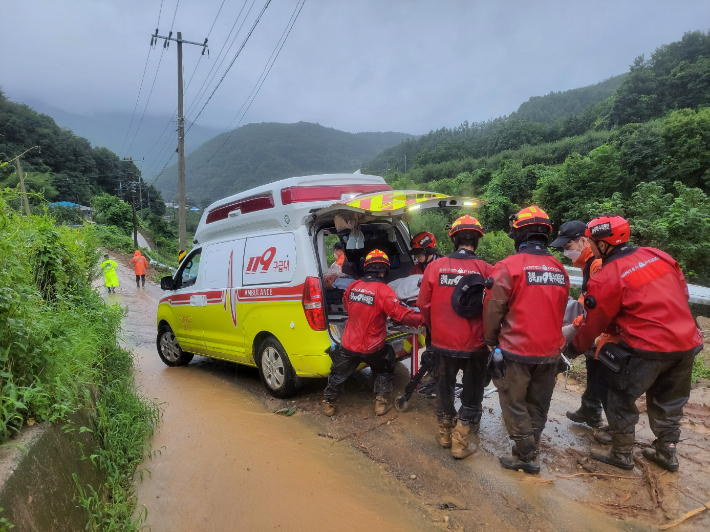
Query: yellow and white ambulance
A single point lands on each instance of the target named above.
(251, 291)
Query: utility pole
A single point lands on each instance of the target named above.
(182, 233)
(21, 176)
(405, 163)
(133, 204)
(22, 186)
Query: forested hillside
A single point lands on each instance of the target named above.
(643, 152)
(261, 153)
(65, 167)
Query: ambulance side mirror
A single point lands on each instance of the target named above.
(167, 283)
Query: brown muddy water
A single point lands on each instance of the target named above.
(223, 461)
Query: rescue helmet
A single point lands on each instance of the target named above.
(377, 260)
(613, 230)
(422, 241)
(465, 223)
(532, 215)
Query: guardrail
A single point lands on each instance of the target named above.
(699, 295)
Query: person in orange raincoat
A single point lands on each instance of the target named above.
(139, 267)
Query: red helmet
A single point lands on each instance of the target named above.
(611, 229)
(422, 241)
(376, 257)
(465, 223)
(532, 215)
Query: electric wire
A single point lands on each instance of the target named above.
(261, 80)
(172, 118)
(266, 4)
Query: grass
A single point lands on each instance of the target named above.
(701, 366)
(57, 342)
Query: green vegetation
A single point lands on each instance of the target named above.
(65, 167)
(637, 145)
(257, 154)
(701, 367)
(57, 344)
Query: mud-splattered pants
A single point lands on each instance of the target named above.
(474, 380)
(345, 363)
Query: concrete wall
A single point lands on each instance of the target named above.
(37, 491)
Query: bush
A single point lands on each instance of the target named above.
(495, 246)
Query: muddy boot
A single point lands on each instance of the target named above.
(524, 456)
(663, 455)
(382, 405)
(602, 435)
(585, 417)
(620, 453)
(327, 408)
(444, 437)
(460, 446)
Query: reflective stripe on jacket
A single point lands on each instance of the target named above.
(641, 294)
(368, 303)
(451, 334)
(524, 310)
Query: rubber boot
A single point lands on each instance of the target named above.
(460, 446)
(662, 455)
(444, 437)
(382, 405)
(602, 435)
(585, 417)
(620, 453)
(524, 456)
(327, 408)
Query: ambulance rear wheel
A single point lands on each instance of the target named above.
(275, 369)
(169, 348)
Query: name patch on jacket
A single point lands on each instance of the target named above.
(545, 278)
(359, 297)
(449, 279)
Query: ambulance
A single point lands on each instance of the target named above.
(252, 291)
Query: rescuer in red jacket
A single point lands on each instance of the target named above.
(423, 249)
(457, 333)
(522, 315)
(368, 303)
(640, 293)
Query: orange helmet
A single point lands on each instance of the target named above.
(376, 257)
(611, 229)
(422, 241)
(532, 215)
(465, 223)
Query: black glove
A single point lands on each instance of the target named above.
(569, 351)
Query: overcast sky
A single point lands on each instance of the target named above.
(356, 65)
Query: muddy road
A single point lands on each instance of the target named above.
(223, 461)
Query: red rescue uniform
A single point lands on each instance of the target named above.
(451, 334)
(640, 294)
(524, 310)
(368, 303)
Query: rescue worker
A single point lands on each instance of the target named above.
(139, 268)
(522, 315)
(110, 278)
(339, 255)
(368, 302)
(423, 249)
(457, 339)
(640, 293)
(575, 245)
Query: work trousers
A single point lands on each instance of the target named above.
(525, 393)
(475, 377)
(666, 384)
(139, 279)
(345, 363)
(594, 398)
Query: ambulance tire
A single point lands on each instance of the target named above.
(275, 369)
(169, 348)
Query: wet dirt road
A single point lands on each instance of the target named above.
(223, 462)
(217, 432)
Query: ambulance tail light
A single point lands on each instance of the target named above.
(313, 303)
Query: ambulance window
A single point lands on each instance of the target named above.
(188, 274)
(269, 259)
(222, 264)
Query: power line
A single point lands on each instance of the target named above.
(266, 4)
(262, 78)
(217, 62)
(140, 122)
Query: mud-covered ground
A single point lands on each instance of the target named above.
(357, 471)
